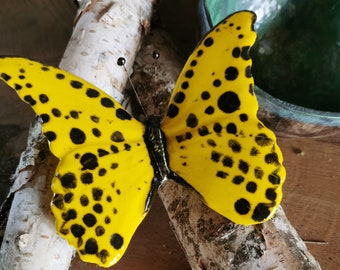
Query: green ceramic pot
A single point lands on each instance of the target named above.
(296, 58)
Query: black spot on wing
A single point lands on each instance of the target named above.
(84, 200)
(271, 194)
(74, 114)
(117, 136)
(96, 132)
(179, 97)
(209, 110)
(43, 98)
(77, 136)
(231, 73)
(50, 135)
(271, 158)
(91, 246)
(243, 166)
(261, 212)
(5, 77)
(222, 174)
(227, 162)
(30, 100)
(102, 152)
(68, 180)
(229, 102)
(56, 112)
(92, 93)
(217, 127)
(77, 230)
(274, 178)
(217, 83)
(76, 84)
(185, 85)
(205, 95)
(235, 146)
(215, 156)
(236, 52)
(98, 208)
(89, 161)
(69, 215)
(263, 140)
(86, 178)
(122, 114)
(238, 179)
(231, 128)
(189, 74)
(191, 120)
(245, 52)
(60, 76)
(68, 197)
(243, 117)
(172, 111)
(242, 206)
(251, 187)
(116, 241)
(45, 117)
(107, 102)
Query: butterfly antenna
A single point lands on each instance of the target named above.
(155, 55)
(121, 62)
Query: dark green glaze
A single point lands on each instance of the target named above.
(297, 54)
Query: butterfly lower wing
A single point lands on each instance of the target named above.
(215, 141)
(98, 208)
(99, 144)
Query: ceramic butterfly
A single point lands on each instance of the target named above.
(111, 164)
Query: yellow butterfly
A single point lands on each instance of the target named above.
(111, 164)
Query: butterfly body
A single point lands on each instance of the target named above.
(155, 141)
(111, 165)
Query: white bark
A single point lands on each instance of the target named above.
(104, 31)
(213, 242)
(30, 240)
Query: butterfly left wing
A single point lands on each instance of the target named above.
(214, 139)
(103, 180)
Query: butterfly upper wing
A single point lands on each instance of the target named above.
(214, 139)
(104, 176)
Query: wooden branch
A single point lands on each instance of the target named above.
(30, 240)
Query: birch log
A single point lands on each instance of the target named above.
(104, 31)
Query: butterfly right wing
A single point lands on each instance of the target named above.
(215, 141)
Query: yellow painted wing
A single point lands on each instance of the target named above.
(104, 176)
(214, 139)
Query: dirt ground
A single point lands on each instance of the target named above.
(311, 201)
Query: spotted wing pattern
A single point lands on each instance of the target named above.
(104, 175)
(215, 141)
